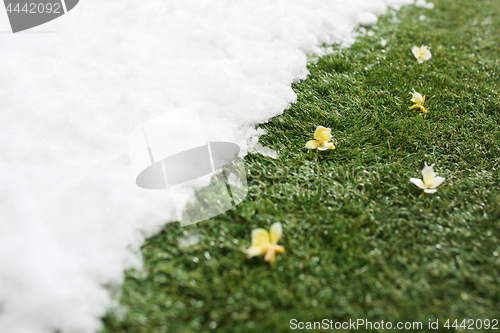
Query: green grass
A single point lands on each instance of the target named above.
(370, 244)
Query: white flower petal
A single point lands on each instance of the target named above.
(270, 255)
(416, 51)
(428, 174)
(413, 96)
(418, 182)
(417, 98)
(275, 232)
(437, 181)
(255, 251)
(427, 55)
(312, 144)
(325, 145)
(430, 190)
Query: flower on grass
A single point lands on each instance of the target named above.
(264, 242)
(323, 136)
(431, 181)
(419, 101)
(422, 53)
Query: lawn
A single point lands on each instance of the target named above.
(361, 241)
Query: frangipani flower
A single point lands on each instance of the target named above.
(431, 181)
(419, 101)
(421, 53)
(323, 136)
(266, 242)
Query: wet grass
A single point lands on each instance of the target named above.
(361, 241)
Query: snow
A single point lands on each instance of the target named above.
(424, 4)
(72, 90)
(367, 19)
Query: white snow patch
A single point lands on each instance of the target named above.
(265, 151)
(424, 4)
(71, 91)
(367, 19)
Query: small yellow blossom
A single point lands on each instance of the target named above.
(422, 53)
(266, 242)
(431, 181)
(323, 136)
(419, 101)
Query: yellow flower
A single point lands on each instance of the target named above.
(419, 101)
(266, 242)
(431, 181)
(421, 53)
(323, 136)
